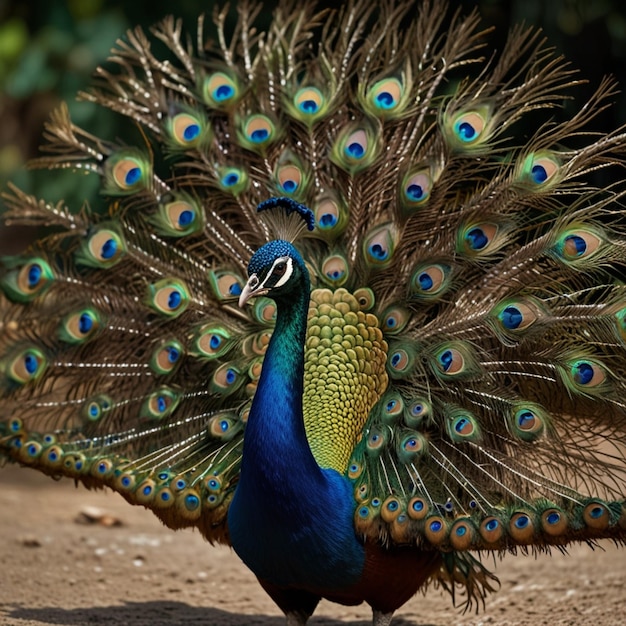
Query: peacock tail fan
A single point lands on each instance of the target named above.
(466, 345)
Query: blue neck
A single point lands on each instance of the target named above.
(290, 521)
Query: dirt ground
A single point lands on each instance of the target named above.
(55, 570)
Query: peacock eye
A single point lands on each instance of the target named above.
(280, 269)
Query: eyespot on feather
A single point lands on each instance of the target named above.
(355, 148)
(80, 327)
(211, 341)
(463, 534)
(522, 528)
(376, 441)
(257, 132)
(411, 446)
(418, 508)
(330, 216)
(178, 215)
(169, 296)
(395, 319)
(103, 248)
(226, 379)
(429, 282)
(554, 522)
(160, 404)
(96, 407)
(167, 356)
(400, 360)
(539, 171)
(512, 317)
(596, 515)
(234, 180)
(24, 365)
(436, 530)
(468, 131)
(264, 311)
(462, 426)
(186, 130)
(390, 509)
(528, 421)
(126, 172)
(416, 188)
(224, 426)
(577, 245)
(309, 105)
(221, 91)
(386, 98)
(419, 411)
(334, 270)
(27, 278)
(491, 530)
(226, 285)
(586, 375)
(482, 239)
(365, 297)
(379, 246)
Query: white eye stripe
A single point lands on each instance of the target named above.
(285, 277)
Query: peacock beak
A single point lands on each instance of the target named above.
(251, 289)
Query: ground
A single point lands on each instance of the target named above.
(56, 570)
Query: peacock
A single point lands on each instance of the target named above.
(346, 311)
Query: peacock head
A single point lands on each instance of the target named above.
(275, 270)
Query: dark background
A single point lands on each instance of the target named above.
(50, 48)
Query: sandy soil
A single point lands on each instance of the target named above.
(54, 570)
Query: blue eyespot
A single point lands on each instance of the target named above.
(539, 174)
(466, 131)
(583, 373)
(511, 317)
(553, 518)
(223, 92)
(309, 106)
(425, 281)
(328, 220)
(191, 132)
(476, 238)
(435, 526)
(174, 299)
(355, 150)
(445, 359)
(185, 218)
(109, 248)
(34, 274)
(385, 100)
(578, 243)
(259, 135)
(85, 323)
(378, 252)
(415, 192)
(235, 289)
(132, 176)
(30, 363)
(230, 179)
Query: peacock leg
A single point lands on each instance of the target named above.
(296, 619)
(381, 619)
(296, 604)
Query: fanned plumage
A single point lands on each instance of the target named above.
(446, 345)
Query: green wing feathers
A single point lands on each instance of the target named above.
(467, 335)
